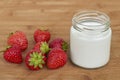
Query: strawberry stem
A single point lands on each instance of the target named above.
(10, 34)
(2, 51)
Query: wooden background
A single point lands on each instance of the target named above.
(56, 15)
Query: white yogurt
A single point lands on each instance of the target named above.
(90, 49)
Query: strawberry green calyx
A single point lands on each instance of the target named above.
(44, 47)
(64, 46)
(43, 28)
(36, 60)
(7, 47)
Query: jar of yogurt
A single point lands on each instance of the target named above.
(90, 39)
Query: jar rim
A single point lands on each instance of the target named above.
(87, 12)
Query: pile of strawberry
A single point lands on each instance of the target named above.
(52, 54)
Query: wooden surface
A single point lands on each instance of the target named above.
(56, 15)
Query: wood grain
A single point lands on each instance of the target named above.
(56, 15)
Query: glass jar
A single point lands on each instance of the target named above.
(90, 39)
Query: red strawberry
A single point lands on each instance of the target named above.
(56, 58)
(13, 54)
(41, 35)
(35, 60)
(42, 47)
(59, 43)
(18, 38)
